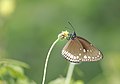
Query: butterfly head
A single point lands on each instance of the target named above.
(72, 36)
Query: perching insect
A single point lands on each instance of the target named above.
(78, 49)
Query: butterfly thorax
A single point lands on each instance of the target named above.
(72, 36)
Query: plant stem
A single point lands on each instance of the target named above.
(46, 61)
(69, 73)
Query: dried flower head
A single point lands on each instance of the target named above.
(63, 35)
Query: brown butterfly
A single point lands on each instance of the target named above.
(79, 49)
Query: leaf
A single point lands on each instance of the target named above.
(3, 71)
(79, 82)
(16, 71)
(15, 62)
(25, 81)
(60, 80)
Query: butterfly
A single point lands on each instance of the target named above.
(78, 49)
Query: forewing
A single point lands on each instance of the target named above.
(79, 49)
(90, 52)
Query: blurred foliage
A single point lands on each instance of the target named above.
(61, 80)
(12, 72)
(28, 28)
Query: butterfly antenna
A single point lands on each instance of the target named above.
(68, 28)
(71, 26)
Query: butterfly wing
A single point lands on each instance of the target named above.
(79, 49)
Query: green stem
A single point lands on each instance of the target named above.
(46, 62)
(69, 73)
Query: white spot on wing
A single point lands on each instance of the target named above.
(80, 59)
(71, 56)
(74, 57)
(84, 50)
(98, 56)
(89, 57)
(85, 56)
(90, 50)
(99, 53)
(95, 57)
(68, 54)
(77, 57)
(92, 57)
(80, 54)
(91, 44)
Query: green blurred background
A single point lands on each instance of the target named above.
(29, 27)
